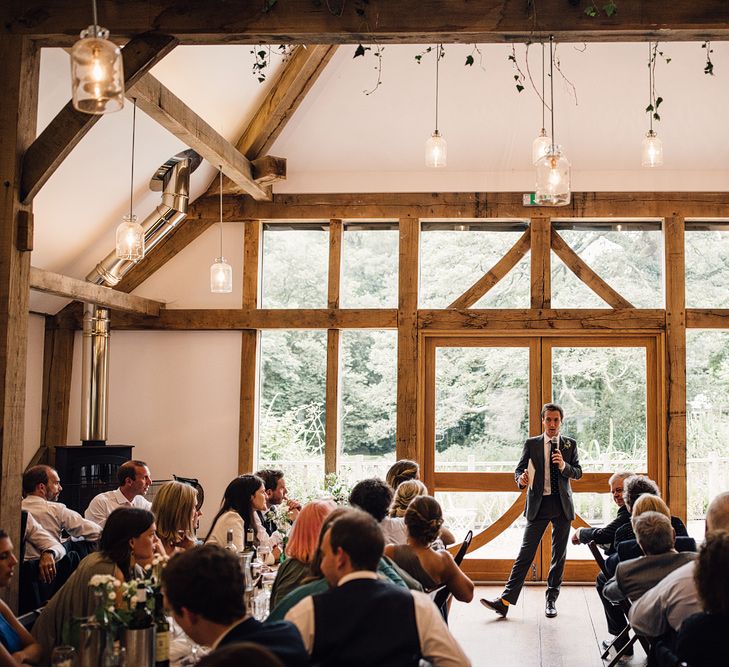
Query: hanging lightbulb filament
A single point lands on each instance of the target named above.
(436, 149)
(221, 273)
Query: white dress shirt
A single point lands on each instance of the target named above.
(56, 517)
(38, 540)
(667, 604)
(230, 520)
(436, 642)
(394, 530)
(104, 504)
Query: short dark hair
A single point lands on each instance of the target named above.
(634, 487)
(33, 477)
(270, 478)
(373, 496)
(552, 407)
(711, 574)
(207, 580)
(3, 534)
(423, 519)
(128, 470)
(360, 537)
(122, 525)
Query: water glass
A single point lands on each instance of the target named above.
(261, 604)
(63, 656)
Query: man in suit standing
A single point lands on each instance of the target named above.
(547, 464)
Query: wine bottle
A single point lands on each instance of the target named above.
(141, 616)
(230, 545)
(162, 636)
(250, 542)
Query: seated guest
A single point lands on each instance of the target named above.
(401, 471)
(665, 606)
(134, 479)
(657, 539)
(16, 644)
(276, 493)
(127, 538)
(243, 653)
(432, 569)
(301, 548)
(393, 525)
(605, 536)
(702, 639)
(316, 583)
(204, 589)
(175, 513)
(39, 541)
(242, 498)
(362, 620)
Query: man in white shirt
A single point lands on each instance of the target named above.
(134, 480)
(41, 488)
(665, 606)
(48, 550)
(362, 620)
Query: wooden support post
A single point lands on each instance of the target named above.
(332, 431)
(19, 70)
(407, 341)
(541, 266)
(57, 368)
(675, 382)
(249, 351)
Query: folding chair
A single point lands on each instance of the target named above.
(463, 548)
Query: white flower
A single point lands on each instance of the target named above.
(112, 595)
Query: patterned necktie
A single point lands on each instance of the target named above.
(553, 468)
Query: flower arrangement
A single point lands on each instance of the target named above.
(336, 489)
(278, 515)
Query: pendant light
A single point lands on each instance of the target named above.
(221, 273)
(436, 149)
(130, 234)
(553, 169)
(97, 71)
(540, 146)
(652, 147)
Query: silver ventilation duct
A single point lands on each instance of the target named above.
(173, 179)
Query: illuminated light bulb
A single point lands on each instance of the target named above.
(221, 276)
(97, 73)
(652, 150)
(130, 239)
(553, 179)
(540, 146)
(436, 151)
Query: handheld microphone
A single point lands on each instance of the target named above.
(555, 444)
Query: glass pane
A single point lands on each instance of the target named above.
(603, 393)
(630, 261)
(295, 265)
(707, 269)
(512, 291)
(707, 422)
(369, 395)
(292, 407)
(598, 509)
(369, 268)
(481, 407)
(451, 261)
(568, 291)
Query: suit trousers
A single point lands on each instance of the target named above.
(550, 511)
(616, 620)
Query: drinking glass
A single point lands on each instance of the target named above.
(63, 656)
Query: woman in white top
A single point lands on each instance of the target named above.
(243, 496)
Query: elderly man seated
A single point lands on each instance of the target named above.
(634, 577)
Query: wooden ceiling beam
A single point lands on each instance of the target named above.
(382, 21)
(72, 288)
(69, 126)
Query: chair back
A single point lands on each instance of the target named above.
(628, 549)
(597, 555)
(28, 620)
(440, 598)
(463, 548)
(684, 543)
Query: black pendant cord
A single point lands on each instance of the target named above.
(551, 87)
(220, 182)
(96, 19)
(544, 104)
(131, 181)
(650, 86)
(437, 77)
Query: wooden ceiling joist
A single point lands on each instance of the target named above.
(382, 21)
(72, 288)
(69, 126)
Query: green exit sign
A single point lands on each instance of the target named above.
(529, 199)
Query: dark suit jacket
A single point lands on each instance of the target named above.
(534, 451)
(606, 535)
(279, 637)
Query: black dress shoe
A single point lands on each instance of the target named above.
(496, 605)
(550, 611)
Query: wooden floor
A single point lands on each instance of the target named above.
(527, 638)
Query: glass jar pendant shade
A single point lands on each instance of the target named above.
(97, 73)
(540, 146)
(436, 151)
(553, 178)
(221, 276)
(652, 150)
(130, 239)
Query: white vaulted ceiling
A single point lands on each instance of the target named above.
(342, 140)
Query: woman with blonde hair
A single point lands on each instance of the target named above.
(301, 549)
(401, 471)
(175, 510)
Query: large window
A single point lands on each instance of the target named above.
(707, 264)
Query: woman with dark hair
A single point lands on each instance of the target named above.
(17, 647)
(701, 640)
(432, 569)
(127, 539)
(242, 497)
